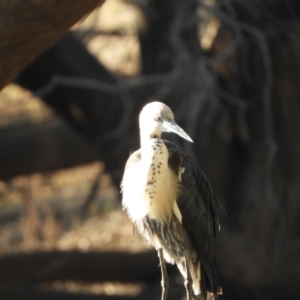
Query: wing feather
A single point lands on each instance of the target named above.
(198, 204)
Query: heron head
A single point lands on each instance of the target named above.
(156, 117)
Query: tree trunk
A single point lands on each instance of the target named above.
(28, 28)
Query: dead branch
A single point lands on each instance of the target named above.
(49, 146)
(90, 267)
(31, 292)
(36, 293)
(27, 271)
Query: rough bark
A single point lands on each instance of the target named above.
(28, 28)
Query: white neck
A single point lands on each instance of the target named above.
(146, 135)
(149, 130)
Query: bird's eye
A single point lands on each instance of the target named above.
(159, 119)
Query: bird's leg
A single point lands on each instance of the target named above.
(188, 279)
(164, 274)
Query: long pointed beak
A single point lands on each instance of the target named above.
(171, 126)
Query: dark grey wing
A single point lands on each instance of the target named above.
(198, 204)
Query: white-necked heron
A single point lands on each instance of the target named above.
(172, 204)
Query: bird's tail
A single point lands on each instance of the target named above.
(210, 282)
